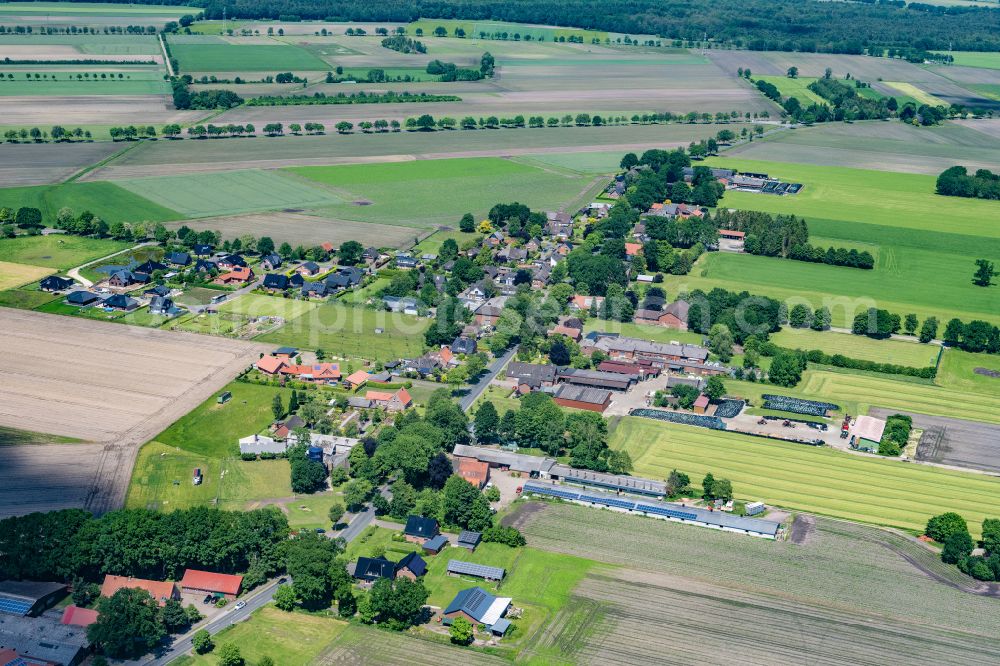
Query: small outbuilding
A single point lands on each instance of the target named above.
(436, 545)
(479, 607)
(469, 540)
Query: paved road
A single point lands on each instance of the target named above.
(477, 389)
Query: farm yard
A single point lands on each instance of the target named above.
(806, 478)
(349, 332)
(794, 606)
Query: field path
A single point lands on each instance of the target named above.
(75, 272)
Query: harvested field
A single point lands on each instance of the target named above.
(70, 111)
(41, 164)
(15, 275)
(100, 382)
(954, 441)
(230, 193)
(308, 230)
(359, 645)
(846, 577)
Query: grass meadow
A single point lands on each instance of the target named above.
(213, 54)
(259, 305)
(56, 250)
(797, 87)
(17, 275)
(912, 354)
(229, 192)
(349, 332)
(986, 60)
(414, 191)
(818, 480)
(105, 200)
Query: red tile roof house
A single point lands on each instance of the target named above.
(79, 617)
(206, 582)
(272, 365)
(357, 379)
(239, 275)
(632, 249)
(474, 471)
(393, 402)
(572, 333)
(161, 591)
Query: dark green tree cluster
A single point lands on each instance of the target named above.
(974, 336)
(360, 97)
(876, 323)
(308, 476)
(404, 44)
(951, 530)
(956, 182)
(743, 313)
(397, 604)
(895, 435)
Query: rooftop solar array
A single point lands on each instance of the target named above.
(473, 569)
(15, 606)
(666, 511)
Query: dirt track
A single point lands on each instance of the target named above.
(115, 385)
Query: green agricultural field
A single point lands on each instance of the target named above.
(162, 479)
(912, 354)
(986, 60)
(259, 305)
(349, 332)
(229, 192)
(57, 251)
(65, 83)
(292, 639)
(412, 191)
(18, 275)
(596, 163)
(920, 95)
(818, 480)
(798, 87)
(105, 200)
(213, 429)
(211, 54)
(957, 371)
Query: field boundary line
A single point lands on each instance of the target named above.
(80, 173)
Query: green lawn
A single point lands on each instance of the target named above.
(138, 82)
(292, 639)
(432, 244)
(229, 192)
(310, 512)
(856, 346)
(412, 192)
(957, 372)
(798, 88)
(644, 331)
(59, 251)
(105, 200)
(350, 332)
(806, 478)
(213, 429)
(162, 479)
(259, 305)
(214, 55)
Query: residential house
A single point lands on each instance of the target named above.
(162, 305)
(161, 591)
(296, 281)
(205, 266)
(125, 278)
(570, 332)
(149, 267)
(271, 262)
(580, 302)
(308, 269)
(370, 569)
(238, 275)
(495, 238)
(487, 315)
(320, 373)
(285, 352)
(82, 298)
(474, 471)
(327, 247)
(220, 586)
(315, 290)
(583, 397)
(463, 345)
(275, 282)
(412, 567)
(178, 259)
(231, 261)
(391, 402)
(559, 224)
(357, 379)
(419, 529)
(120, 302)
(478, 607)
(282, 430)
(405, 304)
(405, 261)
(157, 290)
(531, 376)
(55, 283)
(633, 249)
(673, 315)
(370, 255)
(272, 365)
(202, 250)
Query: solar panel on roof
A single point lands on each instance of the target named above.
(473, 569)
(554, 492)
(15, 606)
(664, 511)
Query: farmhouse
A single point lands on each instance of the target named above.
(221, 586)
(462, 568)
(479, 607)
(675, 315)
(475, 472)
(672, 355)
(412, 566)
(606, 380)
(79, 617)
(55, 283)
(504, 460)
(581, 397)
(531, 376)
(718, 520)
(370, 569)
(23, 597)
(239, 275)
(161, 591)
(419, 529)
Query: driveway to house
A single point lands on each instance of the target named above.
(75, 272)
(492, 371)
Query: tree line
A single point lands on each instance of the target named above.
(360, 97)
(956, 182)
(951, 530)
(57, 133)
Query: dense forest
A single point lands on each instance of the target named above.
(785, 25)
